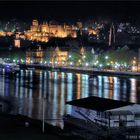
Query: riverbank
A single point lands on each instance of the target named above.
(12, 127)
(84, 70)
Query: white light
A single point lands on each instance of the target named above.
(87, 64)
(84, 56)
(100, 65)
(134, 68)
(106, 57)
(116, 66)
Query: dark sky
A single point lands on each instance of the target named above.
(68, 11)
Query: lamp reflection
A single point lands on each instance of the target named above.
(78, 86)
(100, 86)
(84, 86)
(133, 90)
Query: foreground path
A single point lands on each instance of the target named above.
(13, 128)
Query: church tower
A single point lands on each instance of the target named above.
(112, 36)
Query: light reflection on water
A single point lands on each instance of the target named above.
(30, 88)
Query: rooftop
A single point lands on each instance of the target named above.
(97, 103)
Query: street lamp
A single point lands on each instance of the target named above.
(87, 64)
(84, 56)
(106, 57)
(71, 63)
(100, 65)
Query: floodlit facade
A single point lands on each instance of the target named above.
(39, 55)
(59, 57)
(35, 55)
(42, 32)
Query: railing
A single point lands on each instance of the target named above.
(95, 121)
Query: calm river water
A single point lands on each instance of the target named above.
(28, 89)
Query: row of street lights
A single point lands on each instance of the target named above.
(108, 64)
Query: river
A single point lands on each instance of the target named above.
(29, 89)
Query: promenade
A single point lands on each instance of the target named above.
(88, 70)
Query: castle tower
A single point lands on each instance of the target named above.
(35, 22)
(17, 43)
(35, 26)
(17, 39)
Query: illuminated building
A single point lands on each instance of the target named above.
(17, 41)
(59, 57)
(79, 25)
(42, 32)
(139, 61)
(134, 64)
(92, 31)
(35, 54)
(38, 54)
(34, 26)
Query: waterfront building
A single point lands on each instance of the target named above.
(127, 116)
(100, 112)
(102, 117)
(139, 60)
(134, 64)
(35, 55)
(59, 57)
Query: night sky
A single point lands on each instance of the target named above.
(70, 11)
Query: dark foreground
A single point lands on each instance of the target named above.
(13, 128)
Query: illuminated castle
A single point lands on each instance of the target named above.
(17, 39)
(42, 32)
